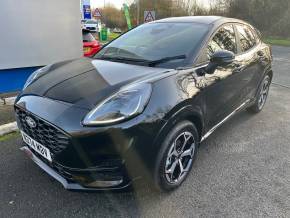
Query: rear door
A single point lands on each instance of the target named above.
(249, 61)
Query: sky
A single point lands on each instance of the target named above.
(119, 3)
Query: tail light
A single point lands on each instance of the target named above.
(96, 44)
(87, 49)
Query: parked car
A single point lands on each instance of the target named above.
(143, 105)
(91, 46)
(92, 25)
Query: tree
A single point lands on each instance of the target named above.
(113, 17)
(272, 17)
(163, 8)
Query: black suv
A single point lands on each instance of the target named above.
(143, 104)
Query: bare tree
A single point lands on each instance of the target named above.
(270, 16)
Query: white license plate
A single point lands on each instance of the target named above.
(36, 146)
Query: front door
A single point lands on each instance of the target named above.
(221, 89)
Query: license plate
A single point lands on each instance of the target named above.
(36, 146)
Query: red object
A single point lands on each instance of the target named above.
(91, 48)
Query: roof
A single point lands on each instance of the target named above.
(192, 19)
(198, 19)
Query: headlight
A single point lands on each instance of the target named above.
(35, 75)
(125, 104)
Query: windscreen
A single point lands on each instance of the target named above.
(156, 41)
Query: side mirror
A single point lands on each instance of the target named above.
(220, 59)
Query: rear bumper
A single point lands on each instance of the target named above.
(73, 184)
(92, 52)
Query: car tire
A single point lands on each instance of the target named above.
(178, 151)
(262, 95)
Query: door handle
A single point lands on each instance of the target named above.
(238, 68)
(260, 54)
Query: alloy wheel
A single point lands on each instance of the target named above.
(264, 93)
(179, 158)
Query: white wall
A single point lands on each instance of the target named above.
(39, 32)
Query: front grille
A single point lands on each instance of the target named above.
(44, 133)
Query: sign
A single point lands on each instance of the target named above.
(97, 13)
(87, 12)
(149, 16)
(127, 16)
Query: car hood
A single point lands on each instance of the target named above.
(85, 82)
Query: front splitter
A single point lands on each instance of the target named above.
(67, 185)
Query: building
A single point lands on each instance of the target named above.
(35, 33)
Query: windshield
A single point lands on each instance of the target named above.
(157, 41)
(91, 22)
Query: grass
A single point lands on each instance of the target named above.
(9, 136)
(112, 36)
(277, 41)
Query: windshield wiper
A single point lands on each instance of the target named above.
(166, 59)
(119, 58)
(143, 61)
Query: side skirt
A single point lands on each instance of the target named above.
(224, 120)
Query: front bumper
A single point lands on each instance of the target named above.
(88, 156)
(72, 184)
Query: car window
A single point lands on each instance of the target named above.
(155, 41)
(91, 22)
(247, 38)
(224, 39)
(257, 35)
(88, 37)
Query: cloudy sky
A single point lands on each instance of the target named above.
(119, 3)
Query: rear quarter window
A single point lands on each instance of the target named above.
(247, 37)
(257, 34)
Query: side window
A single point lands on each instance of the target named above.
(224, 39)
(247, 38)
(88, 37)
(257, 35)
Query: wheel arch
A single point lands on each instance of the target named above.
(270, 73)
(186, 112)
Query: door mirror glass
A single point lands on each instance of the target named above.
(220, 59)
